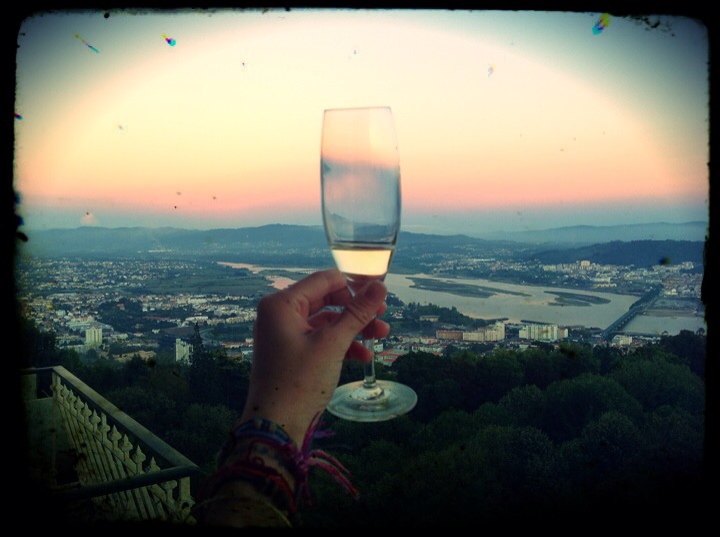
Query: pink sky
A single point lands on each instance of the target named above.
(224, 126)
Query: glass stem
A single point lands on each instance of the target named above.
(369, 367)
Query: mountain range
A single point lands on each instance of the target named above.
(284, 244)
(583, 235)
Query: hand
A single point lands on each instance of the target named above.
(299, 346)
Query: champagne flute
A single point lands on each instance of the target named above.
(360, 178)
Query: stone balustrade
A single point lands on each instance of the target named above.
(123, 469)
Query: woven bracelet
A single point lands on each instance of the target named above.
(298, 461)
(252, 435)
(266, 480)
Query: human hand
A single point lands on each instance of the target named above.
(299, 346)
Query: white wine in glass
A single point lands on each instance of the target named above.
(360, 179)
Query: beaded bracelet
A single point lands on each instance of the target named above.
(256, 439)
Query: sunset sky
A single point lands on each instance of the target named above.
(506, 120)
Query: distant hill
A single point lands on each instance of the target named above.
(165, 240)
(643, 253)
(578, 235)
(284, 245)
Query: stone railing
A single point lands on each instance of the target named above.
(123, 469)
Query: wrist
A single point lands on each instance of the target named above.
(255, 467)
(264, 443)
(292, 425)
(260, 461)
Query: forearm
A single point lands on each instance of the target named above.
(262, 477)
(256, 483)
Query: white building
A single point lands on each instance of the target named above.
(182, 351)
(622, 339)
(540, 332)
(493, 332)
(93, 337)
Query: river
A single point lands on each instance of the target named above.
(518, 303)
(537, 303)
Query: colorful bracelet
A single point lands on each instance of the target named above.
(244, 457)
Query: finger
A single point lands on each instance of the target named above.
(377, 329)
(314, 291)
(358, 352)
(322, 318)
(361, 310)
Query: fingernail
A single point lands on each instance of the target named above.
(375, 291)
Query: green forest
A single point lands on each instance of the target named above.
(505, 435)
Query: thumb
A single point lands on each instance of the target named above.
(362, 309)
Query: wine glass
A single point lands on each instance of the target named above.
(360, 179)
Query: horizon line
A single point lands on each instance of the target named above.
(494, 232)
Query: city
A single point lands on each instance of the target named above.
(558, 398)
(113, 307)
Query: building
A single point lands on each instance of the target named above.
(182, 351)
(541, 332)
(493, 332)
(388, 357)
(454, 335)
(93, 337)
(622, 339)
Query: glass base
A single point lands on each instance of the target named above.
(354, 402)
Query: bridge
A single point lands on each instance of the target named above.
(636, 309)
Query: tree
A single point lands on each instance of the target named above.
(518, 474)
(71, 360)
(612, 446)
(539, 367)
(103, 375)
(463, 369)
(449, 427)
(205, 375)
(689, 348)
(441, 395)
(152, 409)
(40, 347)
(116, 348)
(347, 437)
(170, 379)
(235, 380)
(489, 414)
(608, 357)
(497, 373)
(574, 359)
(525, 404)
(135, 369)
(450, 350)
(571, 404)
(201, 432)
(674, 440)
(418, 368)
(481, 348)
(495, 473)
(381, 457)
(437, 488)
(655, 382)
